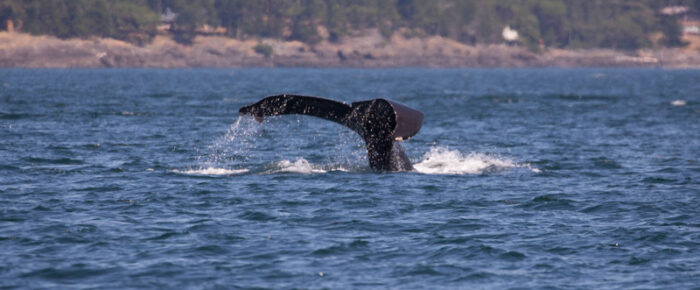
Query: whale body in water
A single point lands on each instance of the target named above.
(380, 122)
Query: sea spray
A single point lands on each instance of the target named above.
(441, 160)
(226, 153)
(323, 144)
(349, 151)
(230, 154)
(234, 145)
(235, 151)
(333, 147)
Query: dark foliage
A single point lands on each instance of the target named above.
(621, 24)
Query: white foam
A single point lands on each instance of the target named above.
(679, 103)
(440, 160)
(211, 171)
(299, 166)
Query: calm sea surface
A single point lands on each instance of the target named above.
(552, 178)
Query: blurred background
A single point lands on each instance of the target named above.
(351, 33)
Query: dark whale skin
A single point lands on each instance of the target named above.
(380, 122)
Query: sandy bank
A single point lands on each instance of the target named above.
(368, 50)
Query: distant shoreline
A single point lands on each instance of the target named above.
(370, 50)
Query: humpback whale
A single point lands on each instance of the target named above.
(380, 122)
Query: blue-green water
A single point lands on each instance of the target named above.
(525, 178)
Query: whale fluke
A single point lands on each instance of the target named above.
(380, 122)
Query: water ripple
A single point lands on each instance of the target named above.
(140, 178)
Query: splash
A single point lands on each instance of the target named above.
(223, 156)
(238, 139)
(299, 166)
(227, 151)
(230, 154)
(303, 166)
(440, 160)
(211, 171)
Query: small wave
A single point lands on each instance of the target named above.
(211, 171)
(440, 160)
(679, 103)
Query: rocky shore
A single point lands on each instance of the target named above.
(367, 50)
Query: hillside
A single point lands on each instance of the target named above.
(568, 24)
(369, 49)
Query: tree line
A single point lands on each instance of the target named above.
(619, 24)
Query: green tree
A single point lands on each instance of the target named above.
(306, 16)
(133, 22)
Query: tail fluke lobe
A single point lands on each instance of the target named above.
(379, 122)
(294, 104)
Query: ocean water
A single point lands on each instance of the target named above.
(547, 178)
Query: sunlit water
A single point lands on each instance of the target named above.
(524, 178)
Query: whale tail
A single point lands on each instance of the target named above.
(380, 122)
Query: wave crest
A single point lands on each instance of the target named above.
(211, 171)
(300, 166)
